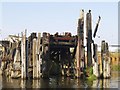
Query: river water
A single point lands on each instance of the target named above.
(61, 82)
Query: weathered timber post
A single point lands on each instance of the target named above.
(39, 60)
(35, 59)
(27, 59)
(46, 55)
(89, 37)
(105, 63)
(102, 58)
(30, 52)
(80, 50)
(105, 72)
(95, 61)
(23, 57)
(108, 61)
(81, 24)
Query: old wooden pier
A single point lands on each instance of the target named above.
(43, 55)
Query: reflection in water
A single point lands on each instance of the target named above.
(106, 83)
(36, 84)
(23, 84)
(96, 83)
(0, 82)
(60, 82)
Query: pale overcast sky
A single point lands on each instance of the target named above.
(54, 17)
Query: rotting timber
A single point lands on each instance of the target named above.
(56, 52)
(45, 55)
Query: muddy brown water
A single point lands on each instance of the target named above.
(61, 82)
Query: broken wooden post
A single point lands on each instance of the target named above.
(102, 58)
(108, 61)
(34, 59)
(81, 24)
(39, 60)
(89, 37)
(30, 52)
(106, 67)
(24, 56)
(104, 63)
(95, 61)
(105, 72)
(27, 61)
(80, 50)
(46, 55)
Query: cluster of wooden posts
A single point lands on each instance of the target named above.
(41, 56)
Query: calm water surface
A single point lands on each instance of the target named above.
(61, 82)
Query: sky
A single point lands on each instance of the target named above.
(60, 17)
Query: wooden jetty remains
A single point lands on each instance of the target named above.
(44, 54)
(105, 59)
